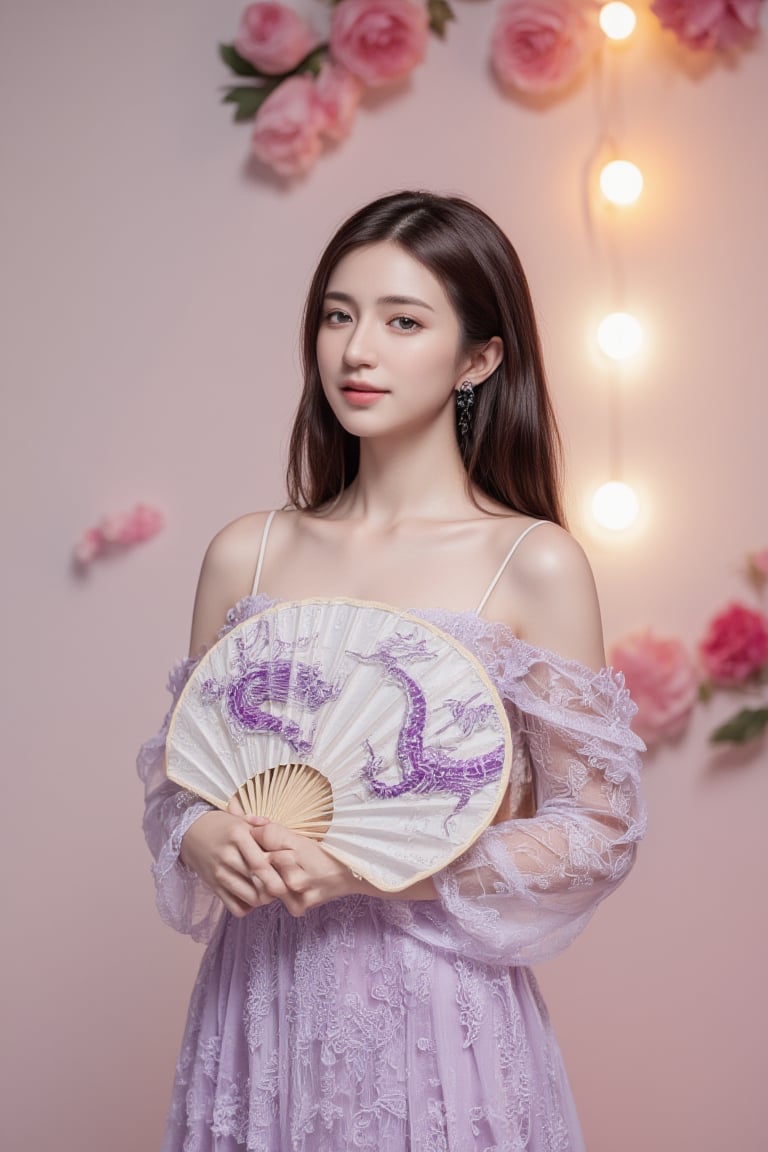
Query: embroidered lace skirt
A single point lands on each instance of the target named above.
(339, 1031)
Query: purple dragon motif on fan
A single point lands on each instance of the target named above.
(430, 768)
(257, 681)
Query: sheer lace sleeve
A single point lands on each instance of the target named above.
(528, 886)
(184, 902)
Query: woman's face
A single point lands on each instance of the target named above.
(389, 344)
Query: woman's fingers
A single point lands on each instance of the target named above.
(272, 837)
(292, 874)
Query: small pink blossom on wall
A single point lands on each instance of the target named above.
(540, 45)
(710, 25)
(735, 646)
(662, 681)
(118, 531)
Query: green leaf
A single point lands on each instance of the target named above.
(312, 62)
(440, 12)
(239, 65)
(744, 726)
(248, 100)
(705, 691)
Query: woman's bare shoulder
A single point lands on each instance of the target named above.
(553, 587)
(236, 545)
(226, 576)
(552, 554)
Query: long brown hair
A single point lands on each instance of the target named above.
(513, 450)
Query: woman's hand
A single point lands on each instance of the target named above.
(220, 848)
(296, 870)
(307, 875)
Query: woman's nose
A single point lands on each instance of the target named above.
(361, 345)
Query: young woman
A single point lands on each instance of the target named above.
(423, 474)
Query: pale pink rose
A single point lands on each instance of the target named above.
(273, 38)
(709, 24)
(88, 547)
(540, 45)
(338, 93)
(758, 566)
(735, 646)
(379, 40)
(286, 135)
(661, 679)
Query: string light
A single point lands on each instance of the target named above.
(619, 336)
(617, 20)
(621, 182)
(615, 506)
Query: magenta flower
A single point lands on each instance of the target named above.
(662, 681)
(707, 25)
(735, 646)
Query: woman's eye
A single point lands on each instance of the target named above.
(405, 323)
(336, 316)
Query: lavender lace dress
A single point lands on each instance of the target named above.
(401, 1026)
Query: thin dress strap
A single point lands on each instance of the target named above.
(262, 551)
(506, 561)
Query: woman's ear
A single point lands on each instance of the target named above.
(483, 361)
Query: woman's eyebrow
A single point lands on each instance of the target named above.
(345, 298)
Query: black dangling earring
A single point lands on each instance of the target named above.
(465, 398)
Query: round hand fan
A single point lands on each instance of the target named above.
(357, 724)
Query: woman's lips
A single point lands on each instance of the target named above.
(361, 395)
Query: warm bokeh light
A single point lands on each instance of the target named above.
(619, 336)
(621, 182)
(615, 506)
(617, 20)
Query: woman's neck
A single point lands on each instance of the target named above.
(400, 481)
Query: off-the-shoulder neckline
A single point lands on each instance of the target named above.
(496, 626)
(410, 611)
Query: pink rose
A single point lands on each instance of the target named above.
(709, 24)
(287, 131)
(540, 45)
(273, 38)
(662, 681)
(379, 40)
(338, 93)
(735, 645)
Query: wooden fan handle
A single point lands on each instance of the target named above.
(296, 795)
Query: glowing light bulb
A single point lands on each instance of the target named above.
(615, 506)
(621, 182)
(619, 336)
(617, 20)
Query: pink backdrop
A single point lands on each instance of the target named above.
(151, 292)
